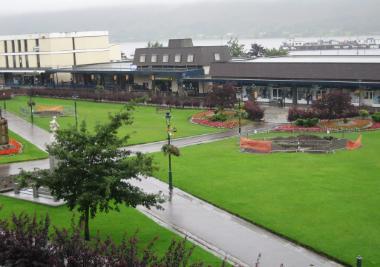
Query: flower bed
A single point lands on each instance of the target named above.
(294, 128)
(14, 147)
(375, 126)
(351, 124)
(203, 118)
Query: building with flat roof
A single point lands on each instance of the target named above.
(299, 80)
(27, 58)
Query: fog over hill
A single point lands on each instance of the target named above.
(215, 19)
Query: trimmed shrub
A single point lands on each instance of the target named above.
(219, 117)
(363, 113)
(254, 111)
(376, 117)
(307, 122)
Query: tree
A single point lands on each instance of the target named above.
(92, 173)
(256, 50)
(275, 52)
(236, 49)
(99, 90)
(154, 44)
(222, 96)
(254, 111)
(334, 105)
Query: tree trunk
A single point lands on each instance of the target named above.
(86, 226)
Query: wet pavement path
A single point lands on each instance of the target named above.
(216, 230)
(225, 234)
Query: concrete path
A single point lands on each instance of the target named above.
(225, 234)
(31, 133)
(209, 226)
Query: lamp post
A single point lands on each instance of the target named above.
(5, 102)
(239, 95)
(75, 97)
(31, 104)
(168, 125)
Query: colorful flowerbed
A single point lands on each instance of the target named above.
(375, 126)
(333, 125)
(350, 124)
(14, 147)
(295, 128)
(203, 118)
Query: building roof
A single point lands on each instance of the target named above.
(297, 70)
(54, 35)
(203, 55)
(313, 59)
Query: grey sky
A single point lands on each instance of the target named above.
(32, 6)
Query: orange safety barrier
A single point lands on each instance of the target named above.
(43, 108)
(256, 145)
(352, 145)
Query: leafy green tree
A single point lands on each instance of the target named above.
(92, 174)
(275, 52)
(154, 44)
(99, 90)
(236, 49)
(256, 50)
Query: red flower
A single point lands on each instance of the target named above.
(14, 148)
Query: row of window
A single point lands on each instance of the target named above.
(177, 58)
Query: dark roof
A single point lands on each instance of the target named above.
(301, 71)
(203, 55)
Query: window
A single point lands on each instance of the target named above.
(165, 58)
(190, 58)
(217, 57)
(153, 59)
(142, 58)
(368, 95)
(177, 58)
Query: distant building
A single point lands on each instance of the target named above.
(157, 70)
(28, 58)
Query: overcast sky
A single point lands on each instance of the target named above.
(33, 6)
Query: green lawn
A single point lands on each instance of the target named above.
(148, 126)
(113, 224)
(329, 202)
(30, 151)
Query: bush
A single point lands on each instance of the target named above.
(363, 113)
(334, 105)
(376, 117)
(297, 113)
(254, 111)
(307, 122)
(219, 117)
(25, 241)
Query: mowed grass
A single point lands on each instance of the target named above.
(114, 224)
(148, 124)
(29, 151)
(329, 202)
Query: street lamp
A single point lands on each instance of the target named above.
(5, 102)
(75, 97)
(31, 104)
(168, 125)
(239, 95)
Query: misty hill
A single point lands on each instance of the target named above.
(255, 18)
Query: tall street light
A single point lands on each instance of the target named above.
(75, 97)
(169, 131)
(239, 95)
(5, 101)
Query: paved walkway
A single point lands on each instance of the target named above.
(225, 234)
(209, 226)
(31, 133)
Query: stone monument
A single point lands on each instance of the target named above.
(54, 127)
(4, 137)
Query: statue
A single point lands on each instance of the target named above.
(4, 137)
(54, 127)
